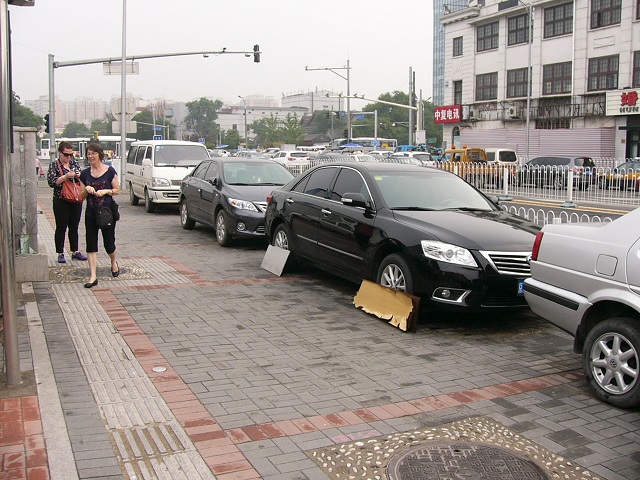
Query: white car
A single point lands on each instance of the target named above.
(424, 158)
(286, 157)
(585, 278)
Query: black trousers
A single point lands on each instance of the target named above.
(67, 217)
(91, 233)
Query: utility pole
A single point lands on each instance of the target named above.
(7, 252)
(348, 79)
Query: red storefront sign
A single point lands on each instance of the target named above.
(447, 114)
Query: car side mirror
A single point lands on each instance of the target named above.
(214, 181)
(354, 200)
(146, 162)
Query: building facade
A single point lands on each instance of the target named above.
(440, 8)
(583, 56)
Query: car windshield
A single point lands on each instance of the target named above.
(180, 155)
(425, 191)
(298, 154)
(255, 173)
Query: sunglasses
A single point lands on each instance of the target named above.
(67, 154)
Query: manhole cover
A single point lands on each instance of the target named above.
(461, 461)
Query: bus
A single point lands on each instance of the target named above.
(367, 143)
(110, 144)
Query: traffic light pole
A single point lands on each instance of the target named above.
(255, 53)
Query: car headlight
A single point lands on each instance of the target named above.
(160, 182)
(445, 252)
(242, 204)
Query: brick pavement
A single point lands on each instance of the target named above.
(195, 363)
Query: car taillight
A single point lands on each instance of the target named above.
(291, 159)
(536, 246)
(269, 199)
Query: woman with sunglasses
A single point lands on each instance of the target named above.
(102, 185)
(67, 214)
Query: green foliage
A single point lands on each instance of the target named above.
(22, 116)
(75, 129)
(231, 138)
(145, 125)
(389, 114)
(200, 120)
(268, 134)
(103, 127)
(292, 130)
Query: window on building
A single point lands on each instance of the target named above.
(558, 20)
(487, 86)
(457, 92)
(457, 46)
(605, 12)
(638, 10)
(518, 29)
(636, 67)
(556, 78)
(488, 36)
(603, 73)
(517, 82)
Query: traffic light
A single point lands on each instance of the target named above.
(328, 114)
(256, 53)
(346, 133)
(46, 123)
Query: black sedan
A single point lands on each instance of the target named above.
(421, 230)
(230, 194)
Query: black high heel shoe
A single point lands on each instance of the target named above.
(91, 284)
(117, 272)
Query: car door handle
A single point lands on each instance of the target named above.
(289, 200)
(325, 211)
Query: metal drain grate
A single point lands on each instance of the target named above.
(452, 461)
(474, 448)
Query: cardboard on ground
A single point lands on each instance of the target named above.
(388, 304)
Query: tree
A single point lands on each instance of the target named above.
(22, 116)
(103, 127)
(267, 132)
(201, 118)
(292, 130)
(231, 138)
(75, 129)
(145, 125)
(389, 114)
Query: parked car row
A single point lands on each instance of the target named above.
(427, 232)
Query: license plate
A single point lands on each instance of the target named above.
(521, 287)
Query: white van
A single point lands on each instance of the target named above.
(502, 156)
(155, 169)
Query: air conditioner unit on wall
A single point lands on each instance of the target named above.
(514, 112)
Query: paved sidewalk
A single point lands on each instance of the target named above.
(195, 363)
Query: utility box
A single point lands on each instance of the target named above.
(30, 265)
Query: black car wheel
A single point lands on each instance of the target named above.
(133, 200)
(610, 360)
(149, 206)
(394, 272)
(282, 239)
(222, 233)
(185, 220)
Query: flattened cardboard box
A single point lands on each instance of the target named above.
(399, 308)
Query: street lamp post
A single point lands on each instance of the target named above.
(530, 10)
(246, 140)
(348, 79)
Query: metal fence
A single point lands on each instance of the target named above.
(601, 185)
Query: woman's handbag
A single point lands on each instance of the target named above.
(73, 191)
(115, 208)
(104, 217)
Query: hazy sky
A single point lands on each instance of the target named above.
(382, 39)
